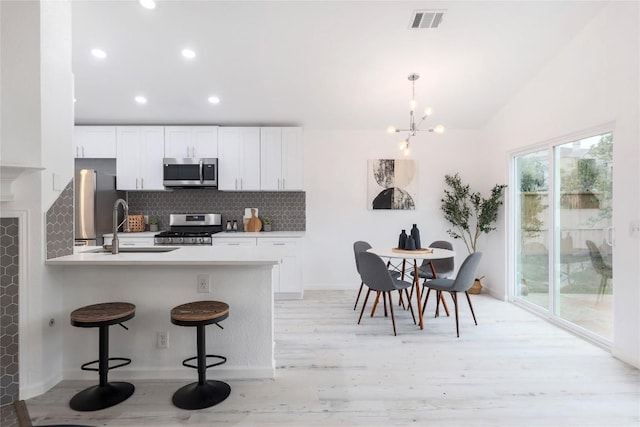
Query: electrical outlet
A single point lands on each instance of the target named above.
(162, 339)
(204, 283)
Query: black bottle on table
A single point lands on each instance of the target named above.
(415, 233)
(402, 241)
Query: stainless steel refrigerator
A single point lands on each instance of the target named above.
(95, 194)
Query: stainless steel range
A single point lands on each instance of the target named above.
(190, 229)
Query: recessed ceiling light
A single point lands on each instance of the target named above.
(148, 4)
(214, 100)
(188, 53)
(99, 53)
(141, 99)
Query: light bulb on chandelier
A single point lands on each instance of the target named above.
(413, 127)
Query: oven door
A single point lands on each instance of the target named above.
(190, 172)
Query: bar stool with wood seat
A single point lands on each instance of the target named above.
(204, 393)
(105, 394)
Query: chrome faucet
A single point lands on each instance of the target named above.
(115, 243)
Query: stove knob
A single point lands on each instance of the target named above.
(200, 240)
(180, 240)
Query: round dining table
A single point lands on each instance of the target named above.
(407, 255)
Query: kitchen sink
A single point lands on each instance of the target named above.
(138, 249)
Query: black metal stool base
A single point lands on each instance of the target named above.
(101, 397)
(196, 396)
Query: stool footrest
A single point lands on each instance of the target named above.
(222, 361)
(125, 361)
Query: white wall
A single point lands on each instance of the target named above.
(594, 80)
(336, 185)
(37, 126)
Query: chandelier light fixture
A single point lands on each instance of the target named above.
(413, 126)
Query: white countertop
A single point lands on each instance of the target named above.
(259, 234)
(183, 255)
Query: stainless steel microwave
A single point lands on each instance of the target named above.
(190, 172)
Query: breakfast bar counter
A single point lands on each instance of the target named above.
(157, 281)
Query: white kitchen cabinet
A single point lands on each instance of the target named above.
(191, 141)
(281, 158)
(239, 158)
(97, 142)
(132, 239)
(140, 150)
(287, 278)
(234, 241)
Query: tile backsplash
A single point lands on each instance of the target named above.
(286, 209)
(60, 224)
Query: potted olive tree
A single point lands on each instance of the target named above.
(470, 214)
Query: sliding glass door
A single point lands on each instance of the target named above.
(563, 232)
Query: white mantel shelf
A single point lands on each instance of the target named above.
(8, 174)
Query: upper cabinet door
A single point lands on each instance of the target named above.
(152, 147)
(239, 158)
(139, 161)
(205, 141)
(191, 141)
(271, 158)
(229, 145)
(292, 159)
(177, 142)
(98, 142)
(129, 153)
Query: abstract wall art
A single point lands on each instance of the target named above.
(392, 184)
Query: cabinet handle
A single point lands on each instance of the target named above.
(136, 183)
(83, 151)
(233, 244)
(142, 183)
(279, 244)
(242, 183)
(283, 183)
(193, 151)
(236, 183)
(77, 152)
(188, 152)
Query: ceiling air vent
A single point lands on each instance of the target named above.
(426, 19)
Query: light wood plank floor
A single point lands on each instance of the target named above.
(513, 369)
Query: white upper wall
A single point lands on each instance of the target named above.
(594, 80)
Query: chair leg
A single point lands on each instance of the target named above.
(358, 297)
(471, 307)
(410, 306)
(366, 297)
(426, 299)
(384, 300)
(438, 298)
(375, 303)
(454, 295)
(393, 318)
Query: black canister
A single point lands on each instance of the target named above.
(402, 241)
(415, 233)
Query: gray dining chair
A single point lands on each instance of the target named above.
(463, 281)
(444, 267)
(358, 247)
(375, 274)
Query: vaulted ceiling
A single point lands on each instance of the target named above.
(317, 64)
